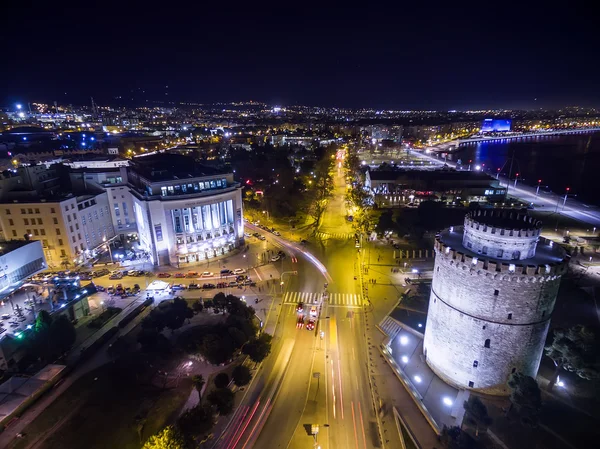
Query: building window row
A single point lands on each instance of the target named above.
(190, 187)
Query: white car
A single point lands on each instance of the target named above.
(275, 258)
(239, 271)
(276, 233)
(207, 274)
(5, 316)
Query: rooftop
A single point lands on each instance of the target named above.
(168, 166)
(545, 254)
(438, 175)
(11, 245)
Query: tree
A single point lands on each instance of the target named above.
(238, 337)
(259, 348)
(199, 382)
(43, 321)
(241, 375)
(62, 334)
(221, 380)
(198, 306)
(576, 350)
(168, 438)
(222, 399)
(217, 348)
(526, 397)
(195, 423)
(455, 438)
(477, 413)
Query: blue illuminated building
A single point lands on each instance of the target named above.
(490, 125)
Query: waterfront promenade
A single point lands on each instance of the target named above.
(544, 201)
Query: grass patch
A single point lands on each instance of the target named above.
(111, 411)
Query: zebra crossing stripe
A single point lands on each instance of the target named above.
(334, 299)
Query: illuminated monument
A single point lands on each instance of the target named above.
(494, 287)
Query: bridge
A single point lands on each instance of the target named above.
(532, 135)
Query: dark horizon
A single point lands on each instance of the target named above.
(402, 58)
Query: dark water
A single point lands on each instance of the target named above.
(559, 161)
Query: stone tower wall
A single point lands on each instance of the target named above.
(475, 300)
(484, 235)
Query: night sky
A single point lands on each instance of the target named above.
(501, 55)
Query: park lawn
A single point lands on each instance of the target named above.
(106, 412)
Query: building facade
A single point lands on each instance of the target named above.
(494, 288)
(185, 214)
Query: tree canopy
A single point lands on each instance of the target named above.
(526, 397)
(222, 399)
(576, 350)
(168, 438)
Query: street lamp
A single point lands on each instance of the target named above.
(516, 179)
(566, 193)
(537, 191)
(109, 251)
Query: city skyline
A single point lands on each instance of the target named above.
(403, 58)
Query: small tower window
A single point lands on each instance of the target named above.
(484, 250)
(510, 316)
(483, 327)
(471, 384)
(500, 253)
(496, 292)
(475, 364)
(513, 370)
(487, 343)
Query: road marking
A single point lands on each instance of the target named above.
(354, 423)
(333, 388)
(362, 425)
(341, 394)
(349, 300)
(257, 274)
(353, 354)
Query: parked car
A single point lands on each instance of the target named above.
(221, 284)
(117, 275)
(192, 274)
(207, 274)
(275, 258)
(262, 237)
(99, 288)
(239, 271)
(276, 233)
(5, 316)
(249, 282)
(99, 273)
(164, 275)
(208, 286)
(179, 275)
(178, 287)
(313, 311)
(86, 276)
(193, 286)
(225, 272)
(256, 234)
(233, 284)
(110, 290)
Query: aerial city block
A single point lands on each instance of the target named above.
(297, 228)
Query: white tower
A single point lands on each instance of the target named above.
(494, 287)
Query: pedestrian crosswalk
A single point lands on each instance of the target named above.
(333, 235)
(390, 327)
(334, 299)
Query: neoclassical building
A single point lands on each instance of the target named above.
(184, 212)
